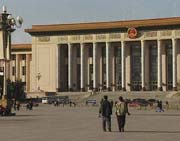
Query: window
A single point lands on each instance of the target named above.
(13, 71)
(24, 70)
(78, 51)
(13, 57)
(1, 68)
(23, 56)
(90, 52)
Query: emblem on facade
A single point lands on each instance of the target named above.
(132, 33)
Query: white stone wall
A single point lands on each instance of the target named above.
(44, 55)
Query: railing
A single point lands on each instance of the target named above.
(118, 86)
(170, 85)
(136, 85)
(153, 85)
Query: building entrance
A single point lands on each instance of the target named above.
(135, 67)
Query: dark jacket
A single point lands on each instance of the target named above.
(106, 108)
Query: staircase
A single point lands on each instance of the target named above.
(83, 96)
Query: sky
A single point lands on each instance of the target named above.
(43, 12)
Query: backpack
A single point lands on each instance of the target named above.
(120, 109)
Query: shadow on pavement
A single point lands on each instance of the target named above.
(27, 115)
(155, 132)
(156, 114)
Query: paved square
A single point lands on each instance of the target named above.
(49, 123)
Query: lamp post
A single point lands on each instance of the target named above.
(8, 24)
(38, 76)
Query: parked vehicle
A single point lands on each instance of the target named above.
(52, 99)
(138, 102)
(35, 101)
(152, 100)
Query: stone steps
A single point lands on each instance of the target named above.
(83, 96)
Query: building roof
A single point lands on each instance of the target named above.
(104, 25)
(21, 46)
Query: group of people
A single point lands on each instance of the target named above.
(16, 105)
(121, 109)
(159, 106)
(29, 105)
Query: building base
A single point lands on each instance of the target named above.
(95, 89)
(160, 89)
(70, 89)
(143, 89)
(108, 89)
(123, 89)
(174, 88)
(82, 89)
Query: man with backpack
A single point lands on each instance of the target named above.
(121, 110)
(106, 112)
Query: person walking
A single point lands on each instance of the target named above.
(106, 112)
(167, 105)
(121, 110)
(159, 106)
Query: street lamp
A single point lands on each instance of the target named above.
(8, 24)
(38, 76)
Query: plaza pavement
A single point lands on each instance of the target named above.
(49, 123)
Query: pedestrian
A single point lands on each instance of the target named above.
(106, 112)
(158, 106)
(31, 105)
(121, 111)
(27, 106)
(161, 107)
(14, 105)
(18, 105)
(167, 105)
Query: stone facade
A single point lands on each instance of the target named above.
(106, 58)
(19, 67)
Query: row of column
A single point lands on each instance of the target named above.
(123, 67)
(174, 63)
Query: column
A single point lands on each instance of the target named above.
(112, 68)
(107, 66)
(143, 64)
(127, 58)
(70, 67)
(17, 67)
(123, 65)
(28, 59)
(159, 63)
(101, 71)
(174, 61)
(178, 64)
(82, 67)
(95, 66)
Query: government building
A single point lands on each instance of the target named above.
(136, 55)
(19, 67)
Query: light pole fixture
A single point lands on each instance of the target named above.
(8, 24)
(38, 76)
